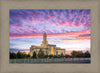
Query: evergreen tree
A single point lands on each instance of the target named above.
(87, 54)
(62, 55)
(34, 54)
(41, 54)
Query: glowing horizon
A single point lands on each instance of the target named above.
(68, 29)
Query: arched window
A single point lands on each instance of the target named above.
(56, 52)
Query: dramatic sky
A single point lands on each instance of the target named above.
(68, 29)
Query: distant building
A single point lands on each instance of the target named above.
(47, 48)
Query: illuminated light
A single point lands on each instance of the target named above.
(52, 50)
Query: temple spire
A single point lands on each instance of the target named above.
(45, 37)
(44, 42)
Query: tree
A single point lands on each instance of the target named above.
(12, 55)
(58, 56)
(41, 54)
(55, 56)
(80, 54)
(46, 56)
(51, 56)
(28, 55)
(62, 56)
(73, 54)
(87, 54)
(34, 55)
(23, 54)
(67, 56)
(19, 54)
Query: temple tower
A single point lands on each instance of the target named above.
(44, 42)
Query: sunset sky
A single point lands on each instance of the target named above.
(68, 29)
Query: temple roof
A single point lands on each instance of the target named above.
(39, 47)
(51, 45)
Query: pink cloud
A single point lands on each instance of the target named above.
(79, 35)
(21, 12)
(29, 12)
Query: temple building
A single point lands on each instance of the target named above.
(47, 48)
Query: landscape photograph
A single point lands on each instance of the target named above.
(50, 36)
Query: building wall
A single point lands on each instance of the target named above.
(51, 49)
(37, 51)
(61, 51)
